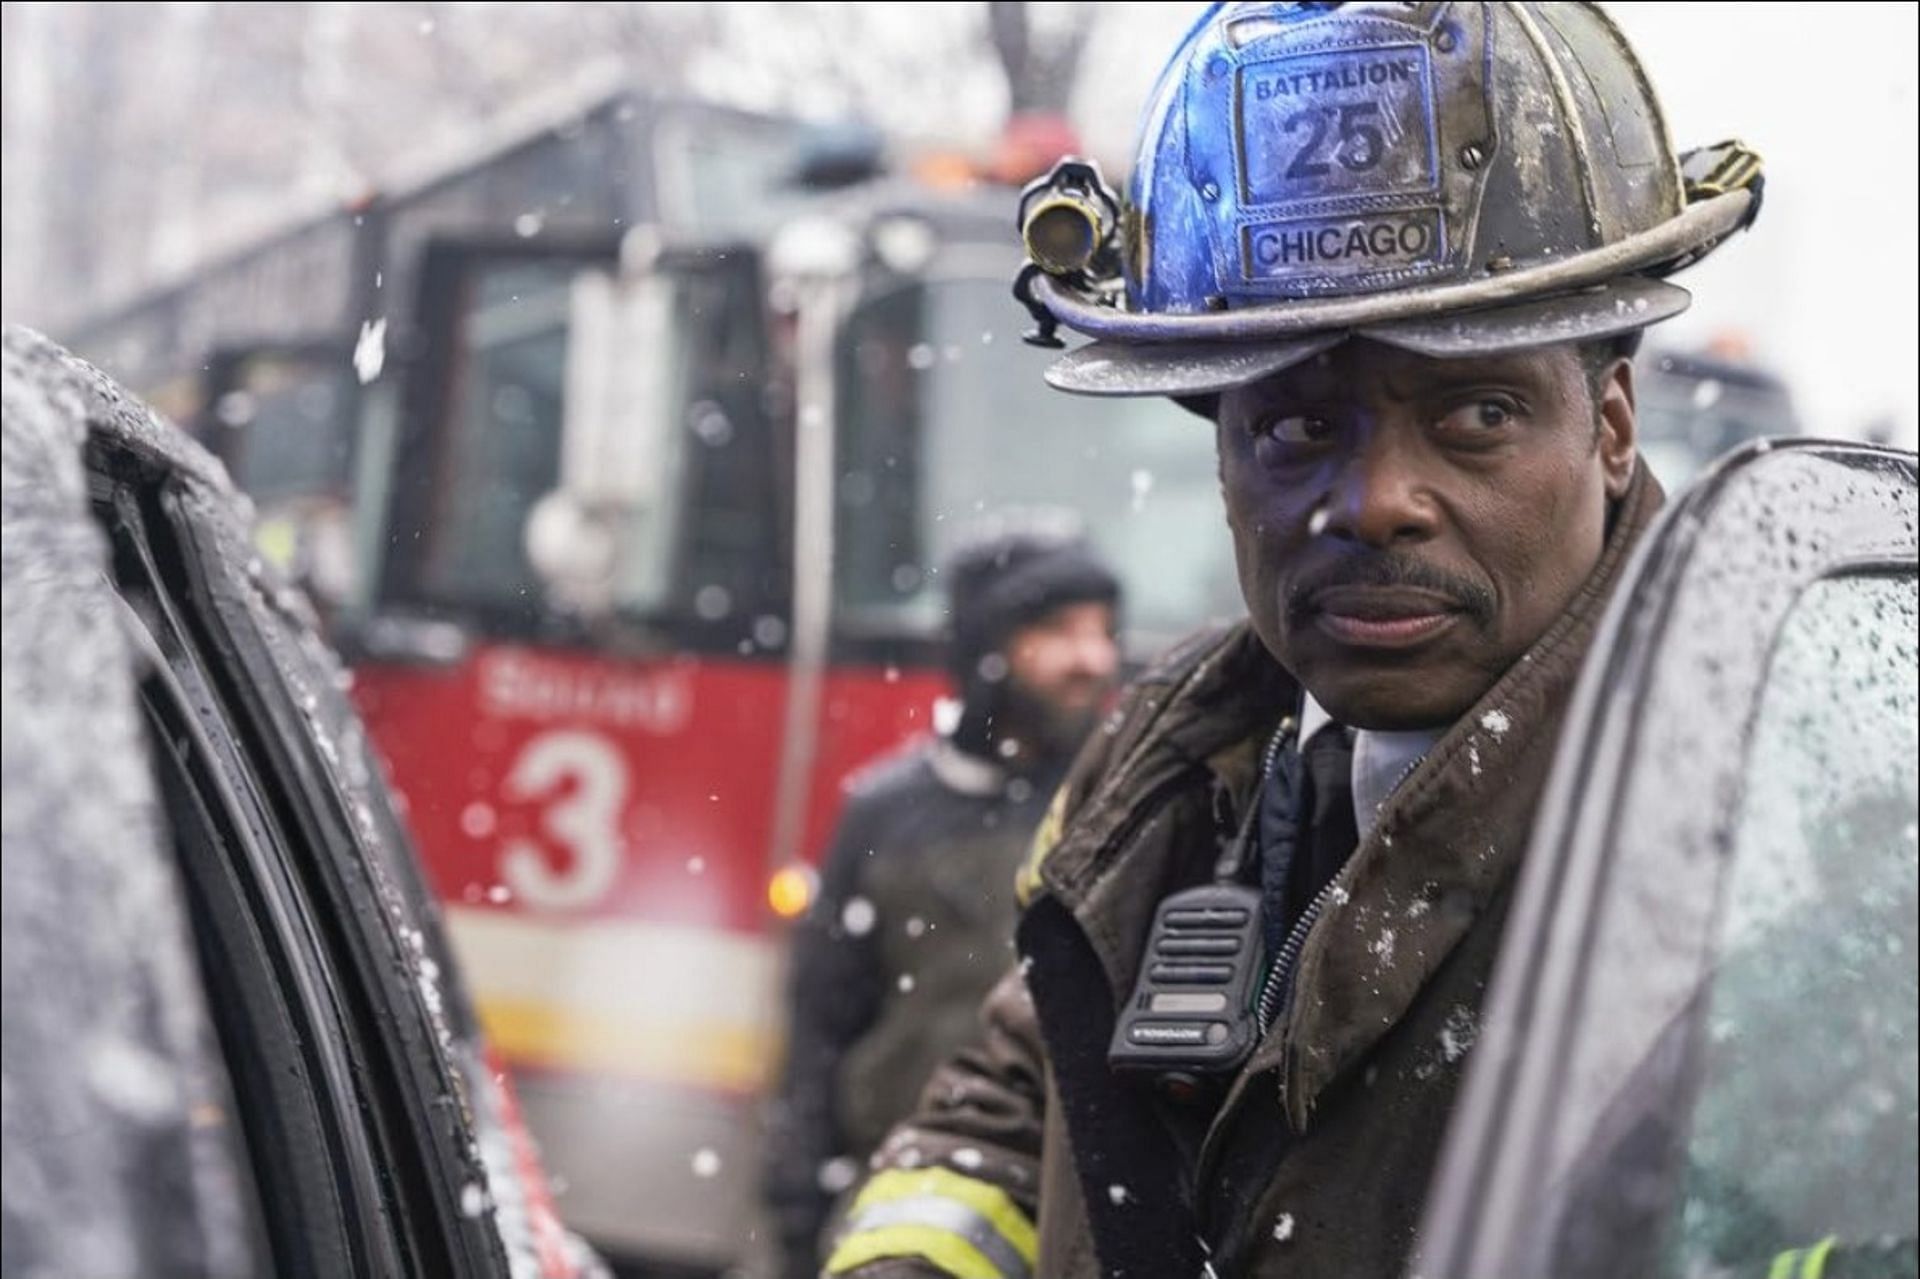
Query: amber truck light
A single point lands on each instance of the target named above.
(790, 891)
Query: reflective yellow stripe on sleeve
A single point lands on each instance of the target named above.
(970, 1229)
(1803, 1263)
(1026, 882)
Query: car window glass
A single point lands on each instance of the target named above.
(1804, 1128)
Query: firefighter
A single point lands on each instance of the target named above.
(914, 921)
(1399, 255)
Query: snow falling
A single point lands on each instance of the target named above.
(370, 351)
(477, 820)
(836, 1175)
(858, 916)
(458, 91)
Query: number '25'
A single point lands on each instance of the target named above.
(1357, 143)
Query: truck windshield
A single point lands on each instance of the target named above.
(1691, 410)
(946, 425)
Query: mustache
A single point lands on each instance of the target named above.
(1370, 568)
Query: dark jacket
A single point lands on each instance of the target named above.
(913, 924)
(1317, 1159)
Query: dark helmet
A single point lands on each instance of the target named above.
(1003, 580)
(998, 582)
(1445, 177)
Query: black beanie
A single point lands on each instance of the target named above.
(998, 585)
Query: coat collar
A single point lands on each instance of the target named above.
(963, 772)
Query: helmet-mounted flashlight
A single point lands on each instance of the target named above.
(1070, 224)
(1063, 233)
(1070, 219)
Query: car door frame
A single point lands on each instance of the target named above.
(1699, 608)
(349, 942)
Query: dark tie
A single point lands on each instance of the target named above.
(1307, 830)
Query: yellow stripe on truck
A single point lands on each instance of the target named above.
(970, 1228)
(713, 1058)
(625, 998)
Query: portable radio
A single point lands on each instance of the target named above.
(1192, 1006)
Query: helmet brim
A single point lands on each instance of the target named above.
(1179, 368)
(1185, 370)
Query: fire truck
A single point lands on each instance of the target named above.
(621, 455)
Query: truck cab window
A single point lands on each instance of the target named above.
(505, 408)
(946, 421)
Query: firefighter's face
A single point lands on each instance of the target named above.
(1064, 666)
(1407, 527)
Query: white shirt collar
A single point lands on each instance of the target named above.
(1381, 761)
(1313, 718)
